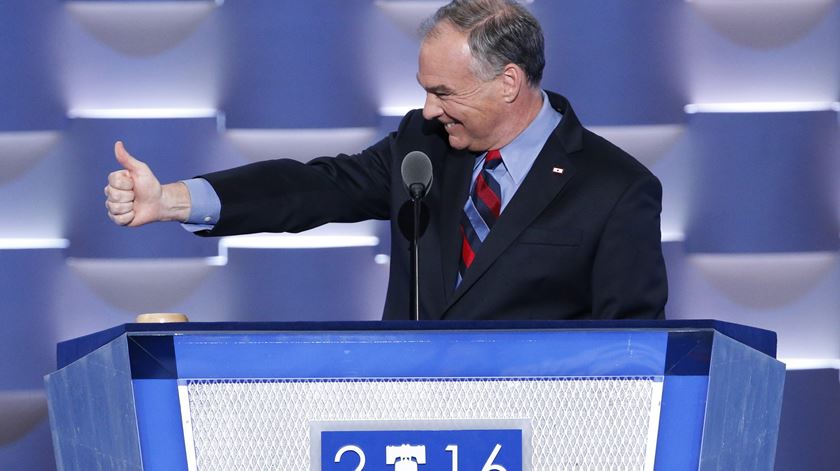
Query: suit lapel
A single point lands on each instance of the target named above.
(551, 171)
(540, 187)
(456, 181)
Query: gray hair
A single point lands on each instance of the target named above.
(499, 32)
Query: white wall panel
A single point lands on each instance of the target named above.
(140, 55)
(745, 51)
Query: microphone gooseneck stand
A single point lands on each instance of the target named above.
(417, 191)
(417, 175)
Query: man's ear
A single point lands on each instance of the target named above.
(513, 79)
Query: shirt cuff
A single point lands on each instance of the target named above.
(205, 205)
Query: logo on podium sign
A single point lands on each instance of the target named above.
(405, 457)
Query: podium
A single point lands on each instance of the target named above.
(491, 396)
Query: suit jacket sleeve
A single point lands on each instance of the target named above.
(289, 196)
(628, 273)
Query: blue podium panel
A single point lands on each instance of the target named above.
(430, 354)
(393, 396)
(92, 412)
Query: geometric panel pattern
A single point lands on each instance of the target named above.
(575, 423)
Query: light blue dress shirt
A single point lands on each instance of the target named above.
(205, 205)
(517, 159)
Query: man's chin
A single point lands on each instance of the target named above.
(457, 143)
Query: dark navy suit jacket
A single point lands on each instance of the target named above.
(580, 239)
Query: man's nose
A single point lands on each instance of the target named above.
(431, 108)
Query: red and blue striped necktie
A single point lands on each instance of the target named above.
(480, 211)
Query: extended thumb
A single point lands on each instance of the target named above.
(124, 158)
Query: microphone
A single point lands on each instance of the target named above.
(417, 174)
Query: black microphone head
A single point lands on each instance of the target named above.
(417, 174)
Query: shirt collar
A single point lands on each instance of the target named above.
(520, 154)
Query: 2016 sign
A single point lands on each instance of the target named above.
(418, 450)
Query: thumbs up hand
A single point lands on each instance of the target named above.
(134, 196)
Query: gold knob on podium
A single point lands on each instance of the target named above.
(161, 318)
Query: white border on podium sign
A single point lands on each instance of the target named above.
(186, 424)
(653, 425)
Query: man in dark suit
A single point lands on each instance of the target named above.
(532, 216)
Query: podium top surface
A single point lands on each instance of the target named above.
(71, 350)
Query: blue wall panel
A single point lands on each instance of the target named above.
(29, 79)
(619, 62)
(27, 350)
(284, 72)
(760, 182)
(809, 419)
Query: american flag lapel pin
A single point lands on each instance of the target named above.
(557, 170)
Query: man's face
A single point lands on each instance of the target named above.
(470, 109)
